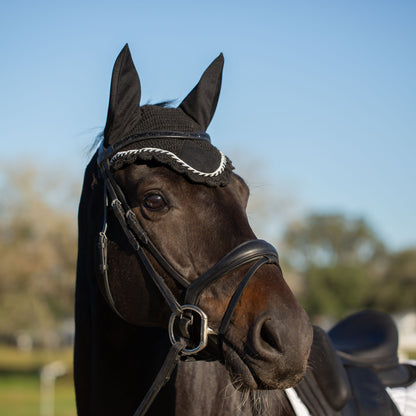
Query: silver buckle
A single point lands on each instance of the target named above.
(203, 341)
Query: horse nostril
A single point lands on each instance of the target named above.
(266, 340)
(269, 336)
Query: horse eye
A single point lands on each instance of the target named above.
(154, 202)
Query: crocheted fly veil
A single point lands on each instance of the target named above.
(174, 137)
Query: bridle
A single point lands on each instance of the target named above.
(189, 319)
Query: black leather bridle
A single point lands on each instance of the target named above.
(188, 319)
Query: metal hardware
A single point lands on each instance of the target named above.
(203, 341)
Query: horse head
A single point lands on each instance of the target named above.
(174, 208)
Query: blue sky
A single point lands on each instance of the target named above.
(321, 95)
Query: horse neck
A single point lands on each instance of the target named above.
(115, 363)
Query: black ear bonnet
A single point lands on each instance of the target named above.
(174, 137)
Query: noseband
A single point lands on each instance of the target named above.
(189, 319)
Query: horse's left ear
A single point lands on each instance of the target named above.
(201, 102)
(125, 95)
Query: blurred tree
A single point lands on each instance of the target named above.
(325, 240)
(340, 259)
(397, 289)
(38, 253)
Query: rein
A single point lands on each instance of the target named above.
(189, 318)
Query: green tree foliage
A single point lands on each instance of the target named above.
(397, 289)
(345, 266)
(326, 240)
(38, 253)
(335, 290)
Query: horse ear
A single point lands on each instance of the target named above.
(125, 95)
(201, 102)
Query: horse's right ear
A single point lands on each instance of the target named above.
(125, 95)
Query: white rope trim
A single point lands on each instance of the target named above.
(126, 155)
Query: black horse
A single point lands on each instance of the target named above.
(171, 279)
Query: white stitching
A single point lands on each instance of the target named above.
(125, 155)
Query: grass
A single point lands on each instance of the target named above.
(20, 396)
(20, 382)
